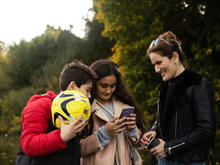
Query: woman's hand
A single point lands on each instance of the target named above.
(131, 122)
(115, 126)
(158, 151)
(145, 139)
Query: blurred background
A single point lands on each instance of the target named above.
(120, 30)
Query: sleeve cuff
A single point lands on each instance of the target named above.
(103, 137)
(132, 133)
(60, 142)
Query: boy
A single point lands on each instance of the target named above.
(40, 141)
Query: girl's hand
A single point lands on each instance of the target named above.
(131, 122)
(115, 126)
(145, 139)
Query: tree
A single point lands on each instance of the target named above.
(95, 45)
(26, 59)
(4, 80)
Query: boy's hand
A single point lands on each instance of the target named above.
(69, 131)
(115, 126)
(131, 122)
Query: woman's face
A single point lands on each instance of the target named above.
(167, 68)
(105, 87)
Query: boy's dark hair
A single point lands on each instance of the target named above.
(77, 72)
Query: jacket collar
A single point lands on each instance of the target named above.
(189, 78)
(117, 106)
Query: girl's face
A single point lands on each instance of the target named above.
(167, 68)
(105, 87)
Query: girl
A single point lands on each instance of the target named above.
(111, 139)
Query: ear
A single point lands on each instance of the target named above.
(175, 57)
(72, 85)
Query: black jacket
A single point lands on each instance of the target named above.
(188, 124)
(68, 156)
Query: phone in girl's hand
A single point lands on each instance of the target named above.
(126, 112)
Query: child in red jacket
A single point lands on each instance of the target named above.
(40, 141)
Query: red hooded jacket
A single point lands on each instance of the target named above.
(35, 141)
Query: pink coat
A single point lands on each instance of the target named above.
(92, 154)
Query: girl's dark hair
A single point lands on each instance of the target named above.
(104, 68)
(167, 49)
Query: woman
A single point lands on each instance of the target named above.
(109, 138)
(185, 121)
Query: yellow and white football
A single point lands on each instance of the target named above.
(70, 104)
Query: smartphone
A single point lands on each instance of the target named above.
(126, 112)
(153, 142)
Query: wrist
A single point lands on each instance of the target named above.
(63, 138)
(167, 149)
(106, 128)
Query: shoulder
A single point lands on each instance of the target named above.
(197, 84)
(43, 99)
(191, 77)
(94, 105)
(119, 103)
(40, 103)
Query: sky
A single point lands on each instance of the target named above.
(26, 19)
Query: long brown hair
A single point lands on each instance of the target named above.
(105, 68)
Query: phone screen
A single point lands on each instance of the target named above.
(127, 111)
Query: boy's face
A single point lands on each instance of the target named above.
(85, 89)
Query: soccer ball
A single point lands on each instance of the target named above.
(70, 104)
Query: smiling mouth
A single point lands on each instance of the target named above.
(107, 95)
(162, 74)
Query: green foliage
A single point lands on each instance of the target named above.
(8, 149)
(97, 46)
(10, 108)
(3, 77)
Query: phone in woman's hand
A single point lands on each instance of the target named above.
(153, 142)
(126, 112)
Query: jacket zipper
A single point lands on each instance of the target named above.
(169, 148)
(158, 110)
(177, 145)
(159, 121)
(176, 126)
